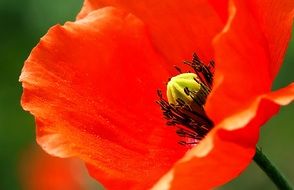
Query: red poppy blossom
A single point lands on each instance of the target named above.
(91, 85)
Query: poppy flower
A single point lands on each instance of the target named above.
(91, 85)
(39, 170)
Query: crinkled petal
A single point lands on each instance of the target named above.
(228, 148)
(275, 19)
(239, 104)
(244, 59)
(247, 60)
(177, 28)
(91, 85)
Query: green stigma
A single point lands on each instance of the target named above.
(176, 87)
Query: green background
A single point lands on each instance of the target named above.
(23, 22)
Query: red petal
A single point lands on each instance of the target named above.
(92, 87)
(221, 7)
(275, 19)
(178, 28)
(243, 62)
(39, 171)
(229, 147)
(240, 103)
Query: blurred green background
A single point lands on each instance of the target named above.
(22, 23)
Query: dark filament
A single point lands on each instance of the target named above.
(203, 71)
(190, 120)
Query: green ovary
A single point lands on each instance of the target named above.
(177, 84)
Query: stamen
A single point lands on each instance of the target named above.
(178, 69)
(185, 106)
(203, 71)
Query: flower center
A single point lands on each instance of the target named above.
(186, 97)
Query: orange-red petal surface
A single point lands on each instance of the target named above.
(40, 171)
(91, 84)
(177, 28)
(275, 19)
(239, 104)
(228, 148)
(244, 60)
